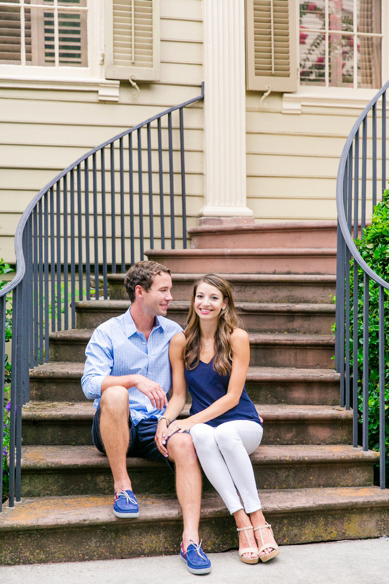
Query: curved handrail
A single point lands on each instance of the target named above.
(20, 263)
(339, 193)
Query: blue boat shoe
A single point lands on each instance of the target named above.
(125, 505)
(195, 558)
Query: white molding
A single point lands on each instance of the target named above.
(292, 102)
(221, 211)
(107, 90)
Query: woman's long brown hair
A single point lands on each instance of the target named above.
(228, 321)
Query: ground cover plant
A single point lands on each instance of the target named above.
(5, 269)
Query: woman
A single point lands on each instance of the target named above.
(211, 358)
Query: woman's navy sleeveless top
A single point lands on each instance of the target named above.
(207, 385)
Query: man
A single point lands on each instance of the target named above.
(127, 373)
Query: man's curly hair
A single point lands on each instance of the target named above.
(142, 274)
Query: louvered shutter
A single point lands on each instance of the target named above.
(132, 39)
(271, 42)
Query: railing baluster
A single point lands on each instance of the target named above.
(381, 354)
(65, 254)
(52, 258)
(161, 195)
(131, 179)
(113, 212)
(383, 141)
(374, 154)
(171, 180)
(355, 357)
(183, 184)
(46, 268)
(122, 224)
(87, 230)
(95, 227)
(150, 177)
(36, 292)
(41, 289)
(2, 389)
(79, 221)
(364, 162)
(59, 289)
(347, 329)
(72, 252)
(29, 269)
(140, 189)
(365, 428)
(104, 223)
(13, 398)
(356, 184)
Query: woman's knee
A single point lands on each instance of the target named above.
(202, 435)
(226, 437)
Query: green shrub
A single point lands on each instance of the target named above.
(374, 249)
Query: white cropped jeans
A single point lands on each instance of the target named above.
(223, 453)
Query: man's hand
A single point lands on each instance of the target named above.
(153, 391)
(160, 437)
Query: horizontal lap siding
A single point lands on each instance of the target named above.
(43, 131)
(292, 160)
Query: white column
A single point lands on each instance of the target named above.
(225, 109)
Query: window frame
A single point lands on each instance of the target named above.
(40, 73)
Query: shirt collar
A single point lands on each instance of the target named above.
(131, 327)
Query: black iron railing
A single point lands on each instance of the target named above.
(360, 184)
(94, 217)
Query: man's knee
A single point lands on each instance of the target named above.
(181, 448)
(114, 401)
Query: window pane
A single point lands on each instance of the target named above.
(369, 16)
(369, 62)
(72, 39)
(43, 2)
(341, 15)
(312, 14)
(312, 59)
(341, 61)
(10, 35)
(81, 3)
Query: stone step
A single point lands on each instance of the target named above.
(79, 528)
(243, 261)
(291, 288)
(58, 381)
(276, 350)
(63, 423)
(254, 317)
(82, 470)
(296, 234)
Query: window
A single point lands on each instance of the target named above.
(341, 43)
(44, 33)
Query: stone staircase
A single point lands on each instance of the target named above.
(314, 485)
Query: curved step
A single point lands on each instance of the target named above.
(84, 527)
(82, 470)
(308, 288)
(254, 316)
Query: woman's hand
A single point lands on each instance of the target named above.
(180, 426)
(161, 436)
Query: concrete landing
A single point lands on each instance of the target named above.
(341, 562)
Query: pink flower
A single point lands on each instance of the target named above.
(303, 38)
(311, 7)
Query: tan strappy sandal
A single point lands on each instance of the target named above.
(265, 546)
(248, 550)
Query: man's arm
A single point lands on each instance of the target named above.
(97, 373)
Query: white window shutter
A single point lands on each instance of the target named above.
(271, 41)
(132, 40)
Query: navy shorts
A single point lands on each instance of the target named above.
(142, 441)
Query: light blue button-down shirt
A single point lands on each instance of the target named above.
(117, 348)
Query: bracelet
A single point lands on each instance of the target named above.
(165, 418)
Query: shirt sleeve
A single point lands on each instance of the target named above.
(98, 365)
